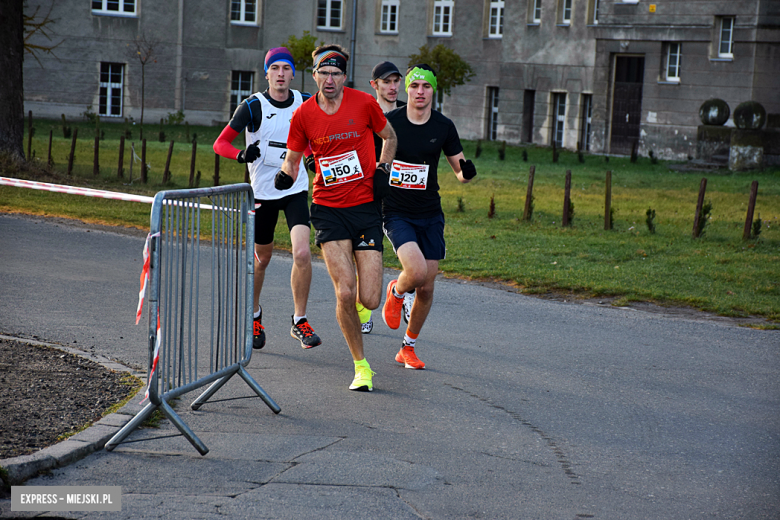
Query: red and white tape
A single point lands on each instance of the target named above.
(101, 194)
(74, 190)
(155, 358)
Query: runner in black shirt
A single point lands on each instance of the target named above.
(412, 216)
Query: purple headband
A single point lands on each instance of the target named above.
(279, 54)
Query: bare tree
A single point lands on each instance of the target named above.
(34, 25)
(143, 49)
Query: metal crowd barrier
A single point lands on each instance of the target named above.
(200, 300)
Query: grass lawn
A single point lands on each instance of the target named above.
(718, 272)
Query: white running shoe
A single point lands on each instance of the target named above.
(367, 327)
(408, 302)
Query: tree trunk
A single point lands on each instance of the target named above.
(11, 85)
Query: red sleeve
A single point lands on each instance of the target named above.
(376, 116)
(223, 146)
(296, 139)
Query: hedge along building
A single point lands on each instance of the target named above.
(594, 74)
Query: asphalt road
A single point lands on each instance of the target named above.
(528, 409)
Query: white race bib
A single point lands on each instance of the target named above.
(339, 169)
(409, 176)
(275, 153)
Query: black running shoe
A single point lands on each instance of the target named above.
(303, 332)
(258, 334)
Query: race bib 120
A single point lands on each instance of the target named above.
(409, 176)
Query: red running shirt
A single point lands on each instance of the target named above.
(352, 127)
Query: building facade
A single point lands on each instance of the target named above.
(598, 75)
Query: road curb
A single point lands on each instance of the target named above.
(18, 469)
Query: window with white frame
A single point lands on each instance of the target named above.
(594, 17)
(496, 21)
(329, 14)
(243, 12)
(565, 12)
(111, 89)
(240, 87)
(442, 17)
(587, 113)
(535, 14)
(726, 41)
(492, 121)
(559, 118)
(389, 14)
(673, 55)
(114, 7)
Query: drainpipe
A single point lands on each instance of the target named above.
(178, 94)
(351, 83)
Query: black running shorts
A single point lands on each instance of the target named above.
(362, 224)
(296, 211)
(428, 233)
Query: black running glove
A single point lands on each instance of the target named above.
(310, 164)
(382, 181)
(249, 155)
(282, 181)
(468, 169)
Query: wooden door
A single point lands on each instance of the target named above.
(627, 103)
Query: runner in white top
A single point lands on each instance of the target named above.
(265, 118)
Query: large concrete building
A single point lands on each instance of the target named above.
(600, 75)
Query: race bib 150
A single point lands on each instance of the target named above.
(339, 169)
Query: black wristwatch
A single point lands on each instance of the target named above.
(384, 167)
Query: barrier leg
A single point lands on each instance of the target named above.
(183, 428)
(134, 423)
(205, 396)
(259, 391)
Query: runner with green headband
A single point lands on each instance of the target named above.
(412, 217)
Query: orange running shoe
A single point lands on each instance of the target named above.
(391, 312)
(407, 356)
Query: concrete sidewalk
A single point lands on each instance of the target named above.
(528, 408)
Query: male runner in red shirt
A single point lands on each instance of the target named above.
(338, 123)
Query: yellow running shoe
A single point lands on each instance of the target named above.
(363, 374)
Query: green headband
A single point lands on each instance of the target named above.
(421, 74)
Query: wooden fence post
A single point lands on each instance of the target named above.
(48, 160)
(699, 205)
(121, 157)
(143, 162)
(132, 160)
(751, 208)
(216, 169)
(96, 159)
(167, 172)
(29, 135)
(192, 164)
(72, 150)
(608, 202)
(566, 199)
(529, 194)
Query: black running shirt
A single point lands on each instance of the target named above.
(378, 141)
(421, 144)
(250, 115)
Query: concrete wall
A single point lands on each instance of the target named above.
(194, 65)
